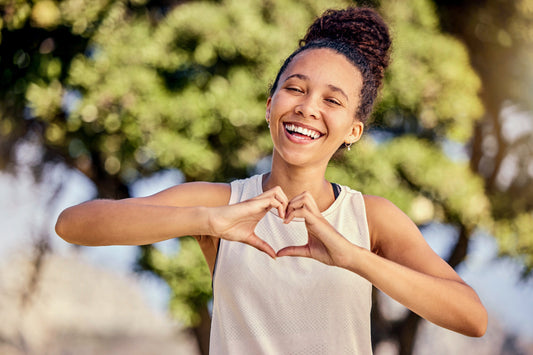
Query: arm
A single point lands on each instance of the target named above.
(187, 209)
(174, 212)
(404, 266)
(401, 264)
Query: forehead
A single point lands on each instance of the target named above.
(326, 66)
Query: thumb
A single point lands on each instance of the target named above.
(261, 245)
(300, 250)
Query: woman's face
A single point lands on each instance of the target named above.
(312, 111)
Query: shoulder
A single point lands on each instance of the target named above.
(378, 209)
(387, 223)
(191, 194)
(374, 203)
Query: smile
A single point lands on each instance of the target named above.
(293, 129)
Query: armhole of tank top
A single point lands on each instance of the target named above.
(366, 226)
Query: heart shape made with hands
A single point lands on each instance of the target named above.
(324, 243)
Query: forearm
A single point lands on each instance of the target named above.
(108, 222)
(448, 303)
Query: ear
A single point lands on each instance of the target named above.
(355, 133)
(267, 112)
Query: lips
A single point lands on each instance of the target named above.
(302, 131)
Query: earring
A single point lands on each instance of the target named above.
(348, 146)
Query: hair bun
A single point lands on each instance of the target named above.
(362, 29)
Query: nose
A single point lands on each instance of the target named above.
(308, 108)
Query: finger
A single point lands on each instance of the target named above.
(264, 204)
(298, 211)
(278, 193)
(275, 194)
(306, 200)
(281, 211)
(261, 245)
(280, 205)
(273, 203)
(280, 196)
(293, 206)
(301, 250)
(304, 206)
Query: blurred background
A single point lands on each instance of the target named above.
(117, 98)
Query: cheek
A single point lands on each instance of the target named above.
(342, 125)
(278, 107)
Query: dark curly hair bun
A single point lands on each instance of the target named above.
(362, 29)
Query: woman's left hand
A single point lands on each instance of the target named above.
(324, 243)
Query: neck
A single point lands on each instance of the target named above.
(294, 180)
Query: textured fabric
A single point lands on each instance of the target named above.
(290, 305)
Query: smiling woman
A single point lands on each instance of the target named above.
(335, 242)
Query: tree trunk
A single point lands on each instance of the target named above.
(203, 331)
(460, 249)
(406, 334)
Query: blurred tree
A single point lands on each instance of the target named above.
(122, 89)
(499, 37)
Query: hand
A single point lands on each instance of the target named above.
(324, 244)
(237, 222)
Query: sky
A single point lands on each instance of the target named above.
(27, 209)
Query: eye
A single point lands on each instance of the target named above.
(294, 88)
(334, 101)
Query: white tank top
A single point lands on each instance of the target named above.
(290, 305)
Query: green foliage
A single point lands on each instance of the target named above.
(430, 87)
(185, 91)
(187, 275)
(515, 239)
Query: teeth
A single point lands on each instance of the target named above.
(301, 130)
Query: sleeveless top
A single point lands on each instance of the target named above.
(291, 305)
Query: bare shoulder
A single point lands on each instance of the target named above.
(379, 211)
(388, 225)
(190, 194)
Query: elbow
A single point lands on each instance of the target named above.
(479, 323)
(478, 330)
(62, 229)
(60, 226)
(482, 324)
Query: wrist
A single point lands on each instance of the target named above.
(191, 220)
(353, 258)
(211, 220)
(205, 220)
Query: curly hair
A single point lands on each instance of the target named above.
(361, 35)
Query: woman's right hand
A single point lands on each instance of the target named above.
(237, 222)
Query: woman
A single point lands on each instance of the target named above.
(340, 242)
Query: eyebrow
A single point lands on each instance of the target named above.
(306, 78)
